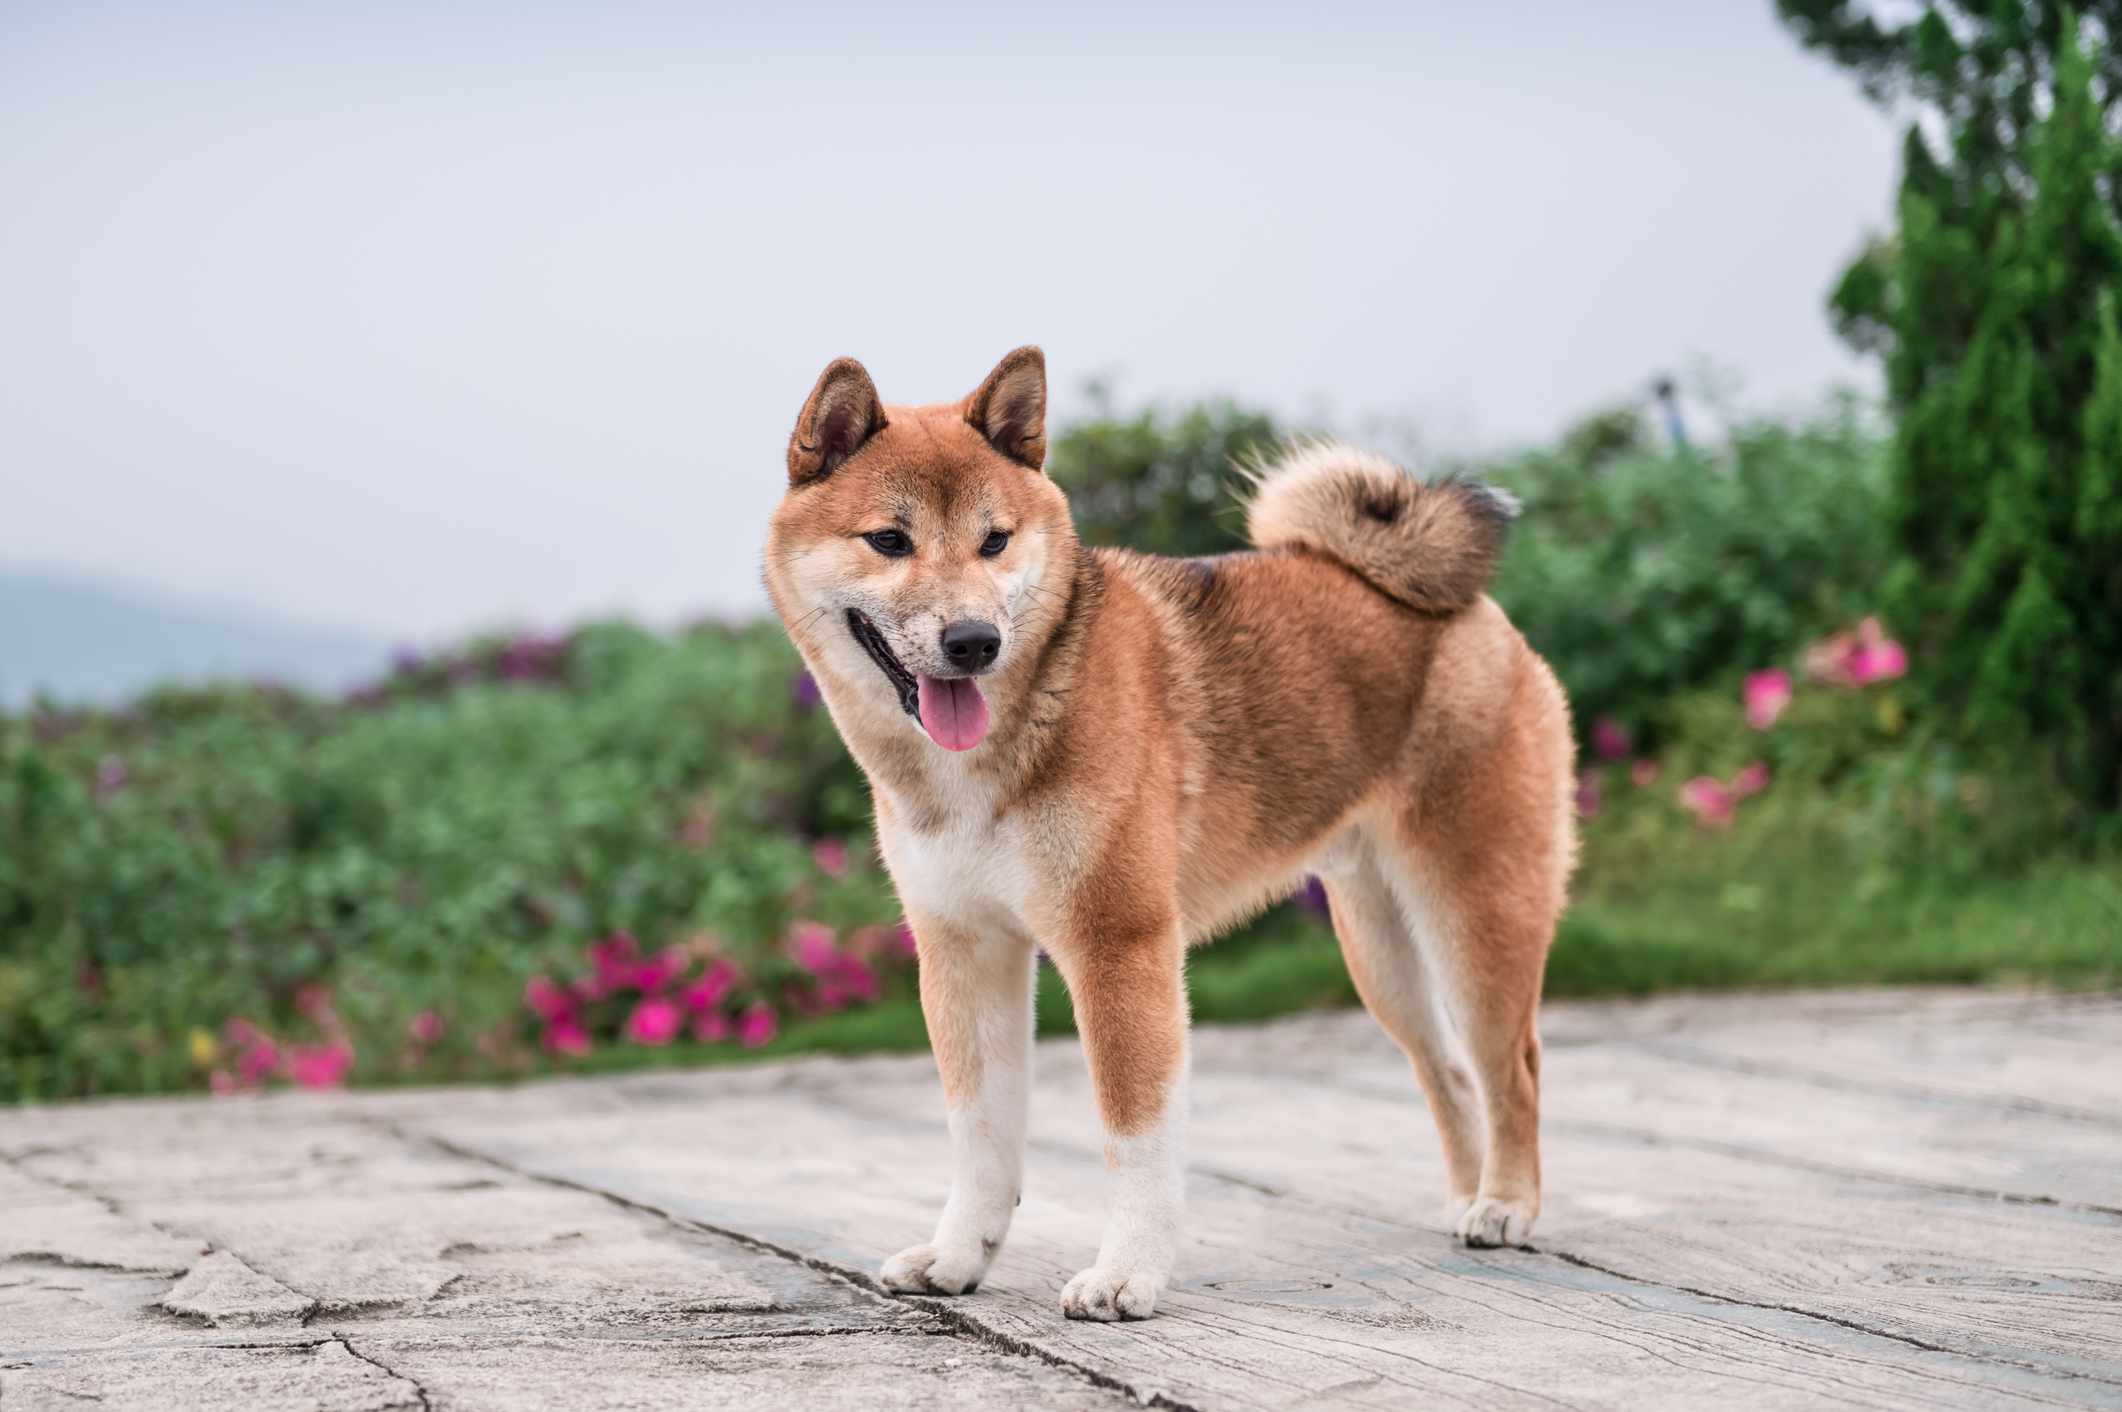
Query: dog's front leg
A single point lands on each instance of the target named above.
(976, 994)
(1129, 993)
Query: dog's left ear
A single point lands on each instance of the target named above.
(841, 413)
(1010, 407)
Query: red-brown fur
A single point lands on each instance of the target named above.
(1175, 743)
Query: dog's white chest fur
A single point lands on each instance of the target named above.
(975, 872)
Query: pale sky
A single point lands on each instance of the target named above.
(416, 322)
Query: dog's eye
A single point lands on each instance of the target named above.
(890, 543)
(995, 543)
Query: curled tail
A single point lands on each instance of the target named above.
(1430, 545)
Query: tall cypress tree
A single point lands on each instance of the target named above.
(1994, 306)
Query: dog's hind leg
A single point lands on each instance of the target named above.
(1487, 962)
(1392, 975)
(976, 994)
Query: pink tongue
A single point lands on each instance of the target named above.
(954, 713)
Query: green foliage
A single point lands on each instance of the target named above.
(1645, 571)
(1161, 481)
(207, 854)
(1994, 309)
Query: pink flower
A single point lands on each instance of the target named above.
(830, 854)
(549, 1002)
(1710, 802)
(612, 961)
(1643, 774)
(658, 970)
(1880, 661)
(565, 1035)
(314, 1000)
(847, 980)
(1609, 739)
(714, 985)
(110, 776)
(1857, 658)
(1750, 781)
(655, 1021)
(1766, 694)
(757, 1025)
(241, 1033)
(325, 1066)
(814, 946)
(1587, 794)
(223, 1082)
(256, 1062)
(426, 1027)
(711, 1028)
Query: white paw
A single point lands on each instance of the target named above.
(1106, 1293)
(934, 1269)
(1491, 1220)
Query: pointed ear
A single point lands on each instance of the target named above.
(1010, 407)
(843, 412)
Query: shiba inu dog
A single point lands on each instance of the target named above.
(1112, 756)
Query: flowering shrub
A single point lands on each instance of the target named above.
(1846, 662)
(692, 988)
(1642, 573)
(424, 848)
(248, 1057)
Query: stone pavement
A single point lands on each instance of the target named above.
(1880, 1199)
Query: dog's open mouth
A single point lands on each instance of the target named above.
(951, 710)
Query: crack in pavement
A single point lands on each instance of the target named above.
(419, 1392)
(953, 1321)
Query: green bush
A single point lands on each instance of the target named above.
(1161, 480)
(1994, 307)
(207, 855)
(1640, 572)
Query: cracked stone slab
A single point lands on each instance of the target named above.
(1897, 1199)
(46, 1221)
(850, 1371)
(223, 1292)
(323, 1375)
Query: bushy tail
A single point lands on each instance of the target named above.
(1431, 545)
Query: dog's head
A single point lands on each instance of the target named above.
(911, 556)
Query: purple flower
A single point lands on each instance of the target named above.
(803, 690)
(110, 776)
(1313, 898)
(531, 657)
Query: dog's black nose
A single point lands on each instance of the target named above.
(971, 645)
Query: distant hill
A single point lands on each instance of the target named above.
(84, 640)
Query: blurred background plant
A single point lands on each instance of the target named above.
(1994, 307)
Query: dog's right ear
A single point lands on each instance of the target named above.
(843, 411)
